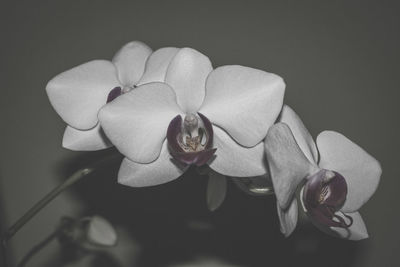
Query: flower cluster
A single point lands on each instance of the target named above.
(169, 109)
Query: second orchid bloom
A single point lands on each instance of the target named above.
(333, 177)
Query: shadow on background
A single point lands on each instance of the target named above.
(171, 224)
(2, 226)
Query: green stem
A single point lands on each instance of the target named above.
(44, 201)
(37, 248)
(75, 177)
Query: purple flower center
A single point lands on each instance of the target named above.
(190, 141)
(324, 195)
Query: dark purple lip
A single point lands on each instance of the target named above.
(324, 195)
(194, 158)
(114, 93)
(197, 158)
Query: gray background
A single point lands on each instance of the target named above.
(339, 60)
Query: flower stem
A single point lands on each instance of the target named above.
(37, 248)
(75, 177)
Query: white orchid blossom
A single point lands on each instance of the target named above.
(332, 186)
(78, 94)
(228, 110)
(168, 110)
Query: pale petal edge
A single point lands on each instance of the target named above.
(288, 165)
(216, 190)
(164, 169)
(361, 171)
(89, 140)
(288, 218)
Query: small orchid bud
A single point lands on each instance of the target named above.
(255, 186)
(90, 233)
(101, 232)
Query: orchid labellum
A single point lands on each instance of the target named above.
(333, 186)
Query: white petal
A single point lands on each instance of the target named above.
(130, 61)
(243, 101)
(101, 232)
(89, 140)
(356, 231)
(157, 65)
(300, 133)
(288, 218)
(136, 122)
(233, 159)
(164, 169)
(287, 164)
(361, 171)
(187, 74)
(216, 190)
(78, 94)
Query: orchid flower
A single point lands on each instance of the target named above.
(196, 116)
(78, 94)
(333, 186)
